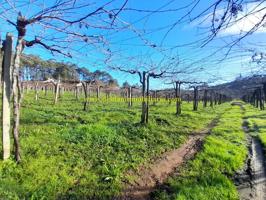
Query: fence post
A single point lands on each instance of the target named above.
(6, 88)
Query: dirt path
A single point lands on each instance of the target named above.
(154, 175)
(251, 182)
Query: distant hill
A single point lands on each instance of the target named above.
(234, 89)
(240, 86)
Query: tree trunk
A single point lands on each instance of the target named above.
(85, 87)
(178, 97)
(77, 93)
(205, 98)
(260, 99)
(126, 95)
(215, 98)
(169, 99)
(26, 88)
(2, 60)
(129, 96)
(211, 99)
(98, 93)
(148, 99)
(195, 100)
(264, 90)
(188, 98)
(6, 96)
(144, 106)
(220, 99)
(45, 90)
(60, 92)
(155, 98)
(107, 95)
(17, 96)
(256, 98)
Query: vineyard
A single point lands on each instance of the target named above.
(69, 153)
(101, 146)
(132, 100)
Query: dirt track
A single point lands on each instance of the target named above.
(157, 172)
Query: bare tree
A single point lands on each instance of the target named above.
(86, 86)
(145, 71)
(59, 24)
(225, 14)
(236, 19)
(195, 97)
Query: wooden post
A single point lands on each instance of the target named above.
(6, 97)
(107, 94)
(195, 99)
(77, 92)
(126, 95)
(188, 98)
(26, 87)
(252, 99)
(144, 107)
(211, 99)
(45, 90)
(169, 99)
(220, 99)
(60, 92)
(57, 88)
(98, 93)
(264, 90)
(85, 87)
(147, 99)
(205, 98)
(257, 98)
(260, 98)
(36, 91)
(1, 62)
(155, 97)
(130, 96)
(178, 97)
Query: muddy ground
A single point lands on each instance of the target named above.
(251, 181)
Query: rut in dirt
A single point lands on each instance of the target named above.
(150, 178)
(251, 182)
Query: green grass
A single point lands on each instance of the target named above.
(257, 122)
(71, 154)
(207, 177)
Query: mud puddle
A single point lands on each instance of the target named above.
(251, 181)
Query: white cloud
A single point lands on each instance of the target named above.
(252, 14)
(245, 23)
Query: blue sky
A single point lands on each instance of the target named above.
(129, 49)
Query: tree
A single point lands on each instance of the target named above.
(145, 71)
(66, 72)
(225, 14)
(84, 74)
(125, 84)
(59, 18)
(102, 76)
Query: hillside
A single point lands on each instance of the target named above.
(240, 86)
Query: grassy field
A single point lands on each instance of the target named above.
(207, 177)
(257, 122)
(71, 154)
